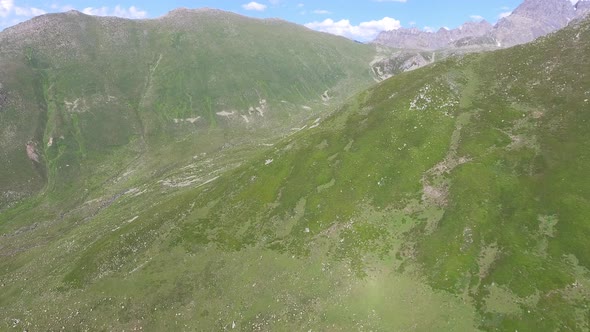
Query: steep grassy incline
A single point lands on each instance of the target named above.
(451, 198)
(77, 91)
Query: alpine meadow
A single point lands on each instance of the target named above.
(207, 171)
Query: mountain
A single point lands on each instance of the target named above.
(449, 198)
(582, 9)
(82, 97)
(530, 20)
(415, 38)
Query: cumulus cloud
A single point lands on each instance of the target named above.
(131, 12)
(254, 6)
(11, 13)
(321, 12)
(477, 17)
(504, 14)
(28, 12)
(364, 31)
(6, 7)
(66, 8)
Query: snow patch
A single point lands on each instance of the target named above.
(188, 181)
(261, 108)
(225, 113)
(299, 129)
(132, 219)
(189, 120)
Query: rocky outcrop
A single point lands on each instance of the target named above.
(582, 9)
(419, 39)
(531, 20)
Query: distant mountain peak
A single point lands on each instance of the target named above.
(184, 11)
(74, 12)
(414, 38)
(530, 20)
(546, 9)
(582, 8)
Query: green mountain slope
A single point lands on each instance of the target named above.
(449, 198)
(80, 90)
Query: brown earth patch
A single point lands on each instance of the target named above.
(32, 152)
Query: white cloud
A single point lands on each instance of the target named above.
(322, 12)
(364, 31)
(504, 14)
(11, 14)
(131, 12)
(60, 8)
(477, 17)
(6, 7)
(254, 6)
(300, 5)
(28, 12)
(9, 9)
(428, 29)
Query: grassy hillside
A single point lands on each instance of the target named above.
(82, 90)
(452, 197)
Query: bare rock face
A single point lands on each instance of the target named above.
(418, 39)
(531, 20)
(399, 62)
(549, 13)
(582, 8)
(32, 152)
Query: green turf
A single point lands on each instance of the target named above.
(450, 198)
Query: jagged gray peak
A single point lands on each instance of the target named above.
(555, 13)
(532, 19)
(183, 11)
(582, 8)
(419, 39)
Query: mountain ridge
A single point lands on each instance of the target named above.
(158, 80)
(530, 20)
(449, 198)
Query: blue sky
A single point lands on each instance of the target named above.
(358, 19)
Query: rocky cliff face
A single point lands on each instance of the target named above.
(417, 39)
(582, 8)
(532, 19)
